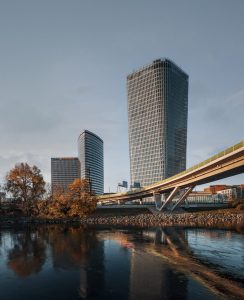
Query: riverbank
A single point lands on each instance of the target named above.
(196, 219)
(144, 218)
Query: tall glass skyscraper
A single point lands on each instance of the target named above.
(157, 113)
(90, 152)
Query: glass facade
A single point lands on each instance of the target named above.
(90, 149)
(157, 115)
(64, 170)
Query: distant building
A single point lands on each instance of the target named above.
(205, 197)
(240, 192)
(235, 192)
(198, 197)
(157, 115)
(216, 188)
(90, 149)
(64, 170)
(231, 192)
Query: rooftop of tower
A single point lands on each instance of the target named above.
(65, 158)
(89, 132)
(155, 62)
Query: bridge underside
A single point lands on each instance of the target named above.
(214, 177)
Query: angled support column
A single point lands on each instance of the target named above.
(183, 197)
(170, 197)
(158, 202)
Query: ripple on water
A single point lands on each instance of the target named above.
(51, 262)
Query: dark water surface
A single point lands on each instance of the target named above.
(59, 262)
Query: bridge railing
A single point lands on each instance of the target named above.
(205, 162)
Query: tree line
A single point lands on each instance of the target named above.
(25, 185)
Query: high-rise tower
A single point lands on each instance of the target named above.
(90, 152)
(157, 113)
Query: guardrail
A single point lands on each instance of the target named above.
(205, 162)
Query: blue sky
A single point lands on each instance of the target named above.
(63, 67)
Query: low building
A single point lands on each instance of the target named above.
(235, 192)
(216, 188)
(240, 192)
(196, 197)
(205, 197)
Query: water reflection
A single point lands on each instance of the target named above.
(70, 247)
(87, 263)
(28, 254)
(222, 250)
(78, 248)
(174, 246)
(151, 280)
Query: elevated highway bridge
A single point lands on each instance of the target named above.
(224, 164)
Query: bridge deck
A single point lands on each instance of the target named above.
(224, 164)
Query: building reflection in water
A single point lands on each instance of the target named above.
(146, 276)
(129, 264)
(138, 274)
(95, 273)
(150, 279)
(77, 248)
(70, 249)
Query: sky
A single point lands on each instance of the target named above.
(63, 68)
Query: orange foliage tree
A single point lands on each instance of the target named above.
(82, 201)
(76, 201)
(26, 185)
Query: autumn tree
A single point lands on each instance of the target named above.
(26, 185)
(82, 201)
(75, 201)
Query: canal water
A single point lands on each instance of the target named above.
(65, 262)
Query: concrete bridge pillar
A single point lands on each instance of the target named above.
(157, 200)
